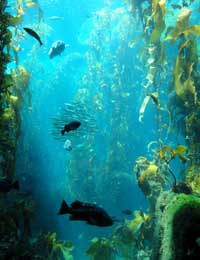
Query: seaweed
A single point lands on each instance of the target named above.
(101, 248)
(167, 153)
(169, 210)
(182, 27)
(183, 72)
(158, 13)
(53, 248)
(17, 241)
(9, 117)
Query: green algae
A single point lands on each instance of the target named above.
(158, 12)
(177, 226)
(101, 248)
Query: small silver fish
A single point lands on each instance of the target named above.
(68, 145)
(56, 18)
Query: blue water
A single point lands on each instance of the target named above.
(97, 61)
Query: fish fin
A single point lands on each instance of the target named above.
(15, 185)
(64, 209)
(74, 217)
(63, 132)
(92, 221)
(76, 204)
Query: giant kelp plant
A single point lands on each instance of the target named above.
(8, 115)
(175, 230)
(183, 101)
(17, 241)
(104, 87)
(13, 209)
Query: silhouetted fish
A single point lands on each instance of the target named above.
(34, 34)
(6, 186)
(71, 127)
(90, 213)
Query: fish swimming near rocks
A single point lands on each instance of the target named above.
(57, 48)
(6, 186)
(68, 145)
(71, 127)
(33, 34)
(90, 213)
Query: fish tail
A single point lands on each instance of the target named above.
(64, 209)
(15, 185)
(62, 132)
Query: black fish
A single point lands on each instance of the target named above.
(6, 186)
(34, 34)
(127, 212)
(70, 127)
(90, 213)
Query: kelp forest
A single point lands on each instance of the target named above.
(129, 71)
